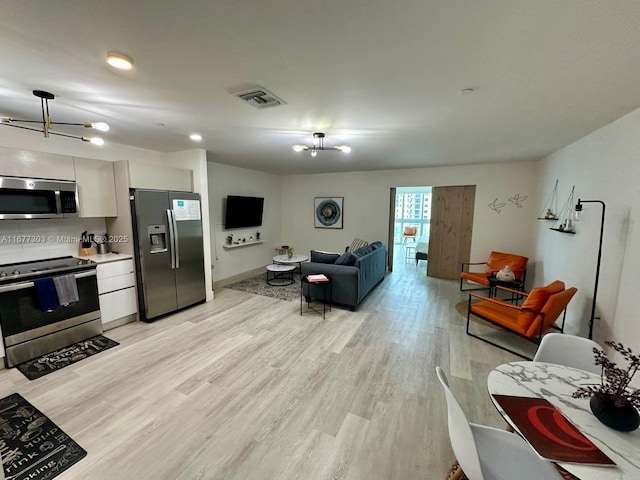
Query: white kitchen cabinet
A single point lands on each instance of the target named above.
(142, 175)
(119, 282)
(114, 269)
(96, 187)
(118, 305)
(117, 292)
(15, 162)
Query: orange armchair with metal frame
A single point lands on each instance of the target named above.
(537, 314)
(496, 262)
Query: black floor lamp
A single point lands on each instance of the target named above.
(595, 288)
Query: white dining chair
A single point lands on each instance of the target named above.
(568, 350)
(487, 453)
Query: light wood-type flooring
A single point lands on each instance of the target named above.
(245, 388)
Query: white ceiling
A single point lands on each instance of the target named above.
(381, 76)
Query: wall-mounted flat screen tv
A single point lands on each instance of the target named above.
(243, 212)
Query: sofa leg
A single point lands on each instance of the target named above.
(307, 298)
(353, 309)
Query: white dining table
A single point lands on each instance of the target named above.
(556, 384)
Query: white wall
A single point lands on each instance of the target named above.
(45, 238)
(603, 166)
(227, 180)
(366, 205)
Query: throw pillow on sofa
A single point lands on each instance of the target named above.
(346, 258)
(362, 251)
(375, 245)
(323, 257)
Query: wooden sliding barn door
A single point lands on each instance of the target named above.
(451, 226)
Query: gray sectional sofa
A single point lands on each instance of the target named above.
(350, 282)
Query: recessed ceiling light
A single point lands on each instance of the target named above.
(119, 60)
(196, 137)
(466, 91)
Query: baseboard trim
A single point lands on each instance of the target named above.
(119, 322)
(238, 278)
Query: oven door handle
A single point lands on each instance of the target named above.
(19, 286)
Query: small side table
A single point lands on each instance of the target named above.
(281, 275)
(515, 285)
(326, 299)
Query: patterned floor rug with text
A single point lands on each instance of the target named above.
(50, 362)
(33, 447)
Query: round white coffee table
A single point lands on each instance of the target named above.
(281, 275)
(286, 260)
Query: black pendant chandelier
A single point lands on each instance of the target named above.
(47, 124)
(318, 144)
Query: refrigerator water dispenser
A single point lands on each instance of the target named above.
(157, 238)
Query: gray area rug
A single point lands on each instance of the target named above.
(258, 286)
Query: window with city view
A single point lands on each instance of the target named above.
(413, 209)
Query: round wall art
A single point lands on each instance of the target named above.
(328, 212)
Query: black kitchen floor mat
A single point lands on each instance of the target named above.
(34, 448)
(46, 364)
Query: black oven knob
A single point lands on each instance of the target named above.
(3, 274)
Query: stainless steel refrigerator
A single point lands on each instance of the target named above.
(169, 253)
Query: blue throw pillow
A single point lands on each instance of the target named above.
(361, 252)
(323, 257)
(375, 245)
(347, 258)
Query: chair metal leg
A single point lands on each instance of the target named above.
(489, 341)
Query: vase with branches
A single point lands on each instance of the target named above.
(613, 401)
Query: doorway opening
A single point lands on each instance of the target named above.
(411, 227)
(442, 219)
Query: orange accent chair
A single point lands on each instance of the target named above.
(409, 232)
(496, 262)
(537, 314)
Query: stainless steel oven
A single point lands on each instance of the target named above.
(32, 198)
(29, 332)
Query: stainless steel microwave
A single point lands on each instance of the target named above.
(34, 198)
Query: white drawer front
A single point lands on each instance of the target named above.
(118, 304)
(109, 284)
(113, 269)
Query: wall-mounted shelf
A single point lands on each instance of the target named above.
(245, 244)
(562, 231)
(550, 208)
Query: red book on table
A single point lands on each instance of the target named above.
(317, 278)
(549, 432)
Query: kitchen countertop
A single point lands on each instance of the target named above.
(106, 258)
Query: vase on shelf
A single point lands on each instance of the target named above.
(623, 418)
(564, 221)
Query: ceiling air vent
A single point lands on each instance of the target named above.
(260, 98)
